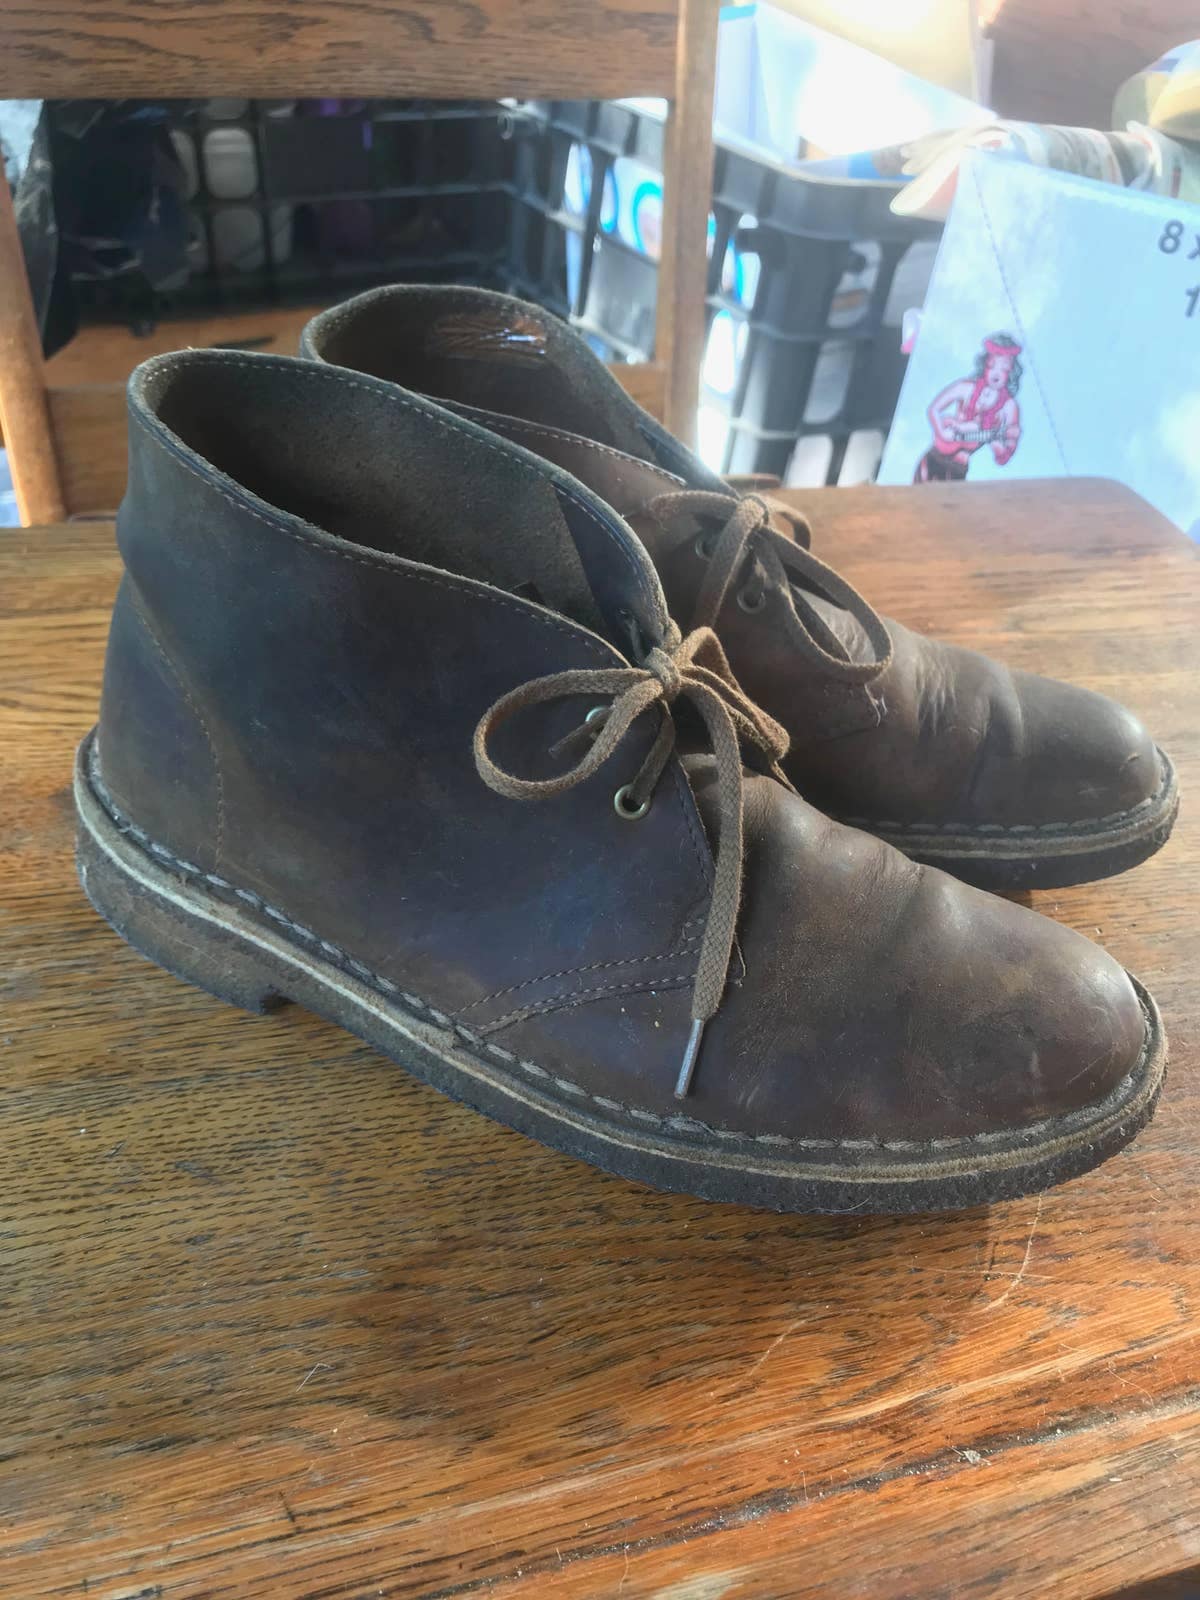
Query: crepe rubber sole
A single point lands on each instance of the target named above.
(1048, 856)
(231, 944)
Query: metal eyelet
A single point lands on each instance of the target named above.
(627, 812)
(705, 545)
(752, 599)
(598, 714)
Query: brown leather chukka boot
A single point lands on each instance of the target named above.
(1007, 779)
(395, 724)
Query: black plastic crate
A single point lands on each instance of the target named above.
(800, 274)
(565, 258)
(816, 359)
(312, 200)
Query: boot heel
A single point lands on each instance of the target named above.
(202, 950)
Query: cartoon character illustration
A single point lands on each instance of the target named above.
(976, 411)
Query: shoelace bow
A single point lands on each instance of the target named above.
(749, 542)
(692, 668)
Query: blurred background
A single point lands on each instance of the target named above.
(150, 224)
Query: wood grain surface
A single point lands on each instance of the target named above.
(681, 318)
(282, 1324)
(475, 49)
(63, 441)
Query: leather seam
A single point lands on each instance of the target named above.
(685, 948)
(703, 853)
(151, 633)
(677, 1123)
(837, 725)
(566, 1002)
(561, 435)
(846, 708)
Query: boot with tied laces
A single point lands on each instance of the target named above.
(1007, 779)
(395, 724)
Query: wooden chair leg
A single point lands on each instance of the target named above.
(687, 195)
(24, 412)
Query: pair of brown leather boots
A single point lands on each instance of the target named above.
(449, 696)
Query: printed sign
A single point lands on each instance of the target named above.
(1060, 337)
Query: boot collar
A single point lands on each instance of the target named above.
(347, 456)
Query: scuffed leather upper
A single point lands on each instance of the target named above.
(943, 735)
(943, 738)
(289, 703)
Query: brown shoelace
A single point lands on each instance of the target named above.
(750, 546)
(695, 669)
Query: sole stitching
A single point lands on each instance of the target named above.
(676, 1123)
(992, 830)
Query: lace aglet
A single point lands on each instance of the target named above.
(687, 1070)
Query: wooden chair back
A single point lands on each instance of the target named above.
(66, 443)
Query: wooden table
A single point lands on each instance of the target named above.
(280, 1322)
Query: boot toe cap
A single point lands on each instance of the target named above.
(927, 1009)
(1086, 758)
(1020, 1021)
(1076, 1032)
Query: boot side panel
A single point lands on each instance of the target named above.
(157, 758)
(330, 694)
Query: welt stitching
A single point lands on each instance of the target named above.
(937, 830)
(677, 1123)
(395, 396)
(156, 642)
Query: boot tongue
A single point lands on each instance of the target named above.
(529, 377)
(520, 373)
(629, 486)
